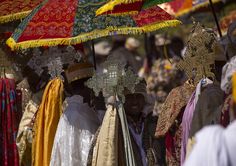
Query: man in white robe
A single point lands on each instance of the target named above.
(77, 125)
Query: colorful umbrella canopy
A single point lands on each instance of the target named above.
(181, 7)
(13, 10)
(175, 7)
(118, 7)
(226, 21)
(60, 22)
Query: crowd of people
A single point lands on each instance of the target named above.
(181, 111)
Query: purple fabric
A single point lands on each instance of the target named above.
(138, 139)
(186, 124)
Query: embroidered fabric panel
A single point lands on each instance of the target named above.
(152, 15)
(54, 20)
(9, 8)
(86, 20)
(176, 100)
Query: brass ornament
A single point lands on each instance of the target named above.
(200, 55)
(114, 80)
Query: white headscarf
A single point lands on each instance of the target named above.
(215, 146)
(227, 72)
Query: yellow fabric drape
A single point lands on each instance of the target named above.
(46, 123)
(234, 87)
(106, 148)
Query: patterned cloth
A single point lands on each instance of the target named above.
(225, 112)
(180, 7)
(24, 87)
(127, 7)
(8, 123)
(74, 21)
(10, 10)
(173, 142)
(163, 78)
(25, 134)
(175, 102)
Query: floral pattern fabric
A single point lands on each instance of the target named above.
(163, 78)
(8, 123)
(170, 110)
(10, 7)
(86, 20)
(60, 22)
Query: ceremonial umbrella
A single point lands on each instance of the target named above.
(226, 21)
(69, 22)
(188, 6)
(181, 7)
(14, 10)
(120, 7)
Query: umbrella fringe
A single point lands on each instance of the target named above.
(185, 11)
(110, 5)
(124, 13)
(91, 35)
(13, 17)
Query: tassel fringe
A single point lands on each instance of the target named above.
(110, 5)
(13, 17)
(91, 35)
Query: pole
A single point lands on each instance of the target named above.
(215, 17)
(147, 49)
(217, 24)
(93, 52)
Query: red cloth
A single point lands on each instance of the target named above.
(123, 8)
(48, 24)
(225, 112)
(151, 15)
(8, 123)
(173, 142)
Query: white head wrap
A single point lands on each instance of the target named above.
(228, 70)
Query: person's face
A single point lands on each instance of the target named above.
(134, 104)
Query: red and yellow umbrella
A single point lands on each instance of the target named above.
(120, 7)
(181, 7)
(60, 22)
(14, 10)
(175, 7)
(227, 20)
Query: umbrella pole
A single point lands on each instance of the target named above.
(93, 52)
(217, 24)
(147, 48)
(215, 17)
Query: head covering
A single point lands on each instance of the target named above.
(102, 48)
(79, 71)
(228, 70)
(161, 40)
(229, 41)
(132, 43)
(141, 88)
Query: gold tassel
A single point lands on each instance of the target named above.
(91, 35)
(13, 17)
(110, 5)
